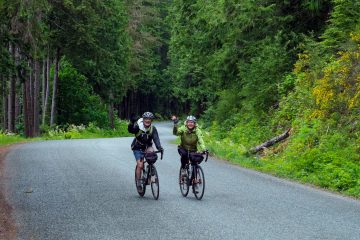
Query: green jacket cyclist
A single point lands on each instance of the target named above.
(191, 139)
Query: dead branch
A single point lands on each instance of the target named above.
(271, 142)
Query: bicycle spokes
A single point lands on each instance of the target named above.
(154, 180)
(142, 183)
(183, 181)
(199, 183)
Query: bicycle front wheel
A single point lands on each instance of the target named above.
(143, 185)
(154, 179)
(184, 183)
(199, 183)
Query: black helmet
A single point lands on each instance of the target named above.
(148, 115)
(191, 118)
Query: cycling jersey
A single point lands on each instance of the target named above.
(191, 140)
(143, 136)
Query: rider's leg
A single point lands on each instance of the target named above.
(184, 161)
(140, 165)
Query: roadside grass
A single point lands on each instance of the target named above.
(70, 132)
(10, 139)
(341, 176)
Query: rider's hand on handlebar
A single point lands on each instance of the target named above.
(207, 154)
(162, 152)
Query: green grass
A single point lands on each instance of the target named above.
(328, 164)
(6, 140)
(71, 132)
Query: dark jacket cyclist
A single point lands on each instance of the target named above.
(191, 138)
(145, 135)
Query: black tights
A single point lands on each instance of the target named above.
(184, 161)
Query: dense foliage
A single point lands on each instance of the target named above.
(262, 67)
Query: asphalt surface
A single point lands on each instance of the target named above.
(84, 189)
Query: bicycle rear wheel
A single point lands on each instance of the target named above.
(199, 183)
(154, 178)
(143, 185)
(184, 183)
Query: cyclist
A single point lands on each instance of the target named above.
(145, 135)
(191, 139)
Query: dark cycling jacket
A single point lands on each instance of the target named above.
(143, 139)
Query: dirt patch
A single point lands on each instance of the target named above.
(7, 224)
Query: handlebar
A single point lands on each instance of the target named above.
(158, 151)
(207, 155)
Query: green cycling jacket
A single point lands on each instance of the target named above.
(190, 140)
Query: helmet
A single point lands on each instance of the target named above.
(191, 118)
(148, 115)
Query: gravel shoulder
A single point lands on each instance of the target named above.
(7, 223)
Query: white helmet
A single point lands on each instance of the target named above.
(191, 118)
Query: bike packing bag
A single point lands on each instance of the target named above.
(151, 157)
(196, 157)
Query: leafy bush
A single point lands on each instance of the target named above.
(91, 131)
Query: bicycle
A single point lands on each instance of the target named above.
(197, 178)
(149, 174)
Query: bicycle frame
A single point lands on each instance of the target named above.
(148, 171)
(194, 169)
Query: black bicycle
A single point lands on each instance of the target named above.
(149, 174)
(194, 175)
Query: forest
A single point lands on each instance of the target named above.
(249, 70)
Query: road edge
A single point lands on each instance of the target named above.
(7, 223)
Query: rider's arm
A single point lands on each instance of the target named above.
(175, 129)
(178, 130)
(133, 128)
(156, 139)
(201, 144)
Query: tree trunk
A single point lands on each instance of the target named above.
(4, 102)
(17, 108)
(43, 86)
(36, 92)
(26, 93)
(12, 96)
(31, 99)
(271, 142)
(111, 116)
(55, 84)
(47, 88)
(17, 84)
(129, 99)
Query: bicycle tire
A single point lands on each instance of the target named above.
(184, 183)
(154, 179)
(199, 182)
(142, 193)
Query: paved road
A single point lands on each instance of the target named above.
(84, 189)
